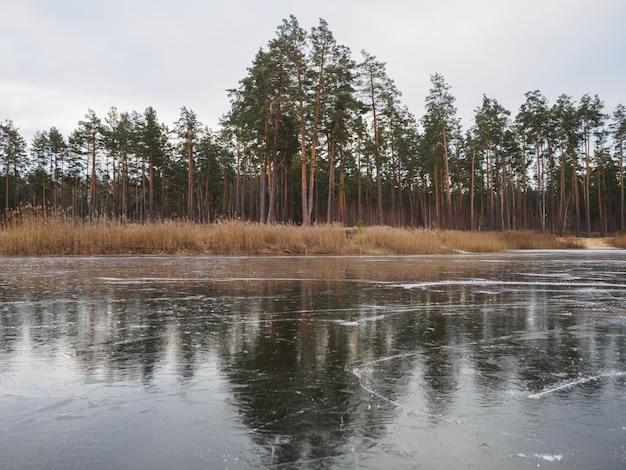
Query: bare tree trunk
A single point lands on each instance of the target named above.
(540, 184)
(190, 208)
(359, 183)
(262, 179)
(143, 188)
(575, 190)
(238, 192)
(151, 189)
(490, 191)
(621, 183)
(600, 206)
(92, 192)
(587, 189)
(341, 204)
(124, 185)
(331, 181)
(447, 178)
(303, 156)
(379, 176)
(6, 191)
(472, 188)
(271, 216)
(436, 180)
(316, 119)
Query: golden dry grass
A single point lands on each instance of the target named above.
(619, 241)
(531, 240)
(60, 236)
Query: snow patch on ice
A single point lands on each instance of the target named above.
(549, 458)
(546, 457)
(582, 286)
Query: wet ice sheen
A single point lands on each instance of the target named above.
(473, 361)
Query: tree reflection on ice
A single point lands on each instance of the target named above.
(314, 362)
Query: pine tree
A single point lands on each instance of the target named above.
(565, 116)
(57, 150)
(12, 155)
(87, 141)
(532, 119)
(152, 137)
(381, 92)
(618, 128)
(39, 151)
(591, 119)
(440, 124)
(188, 130)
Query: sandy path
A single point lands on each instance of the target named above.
(597, 243)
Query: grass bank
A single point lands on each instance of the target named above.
(59, 236)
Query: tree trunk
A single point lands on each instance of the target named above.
(331, 181)
(151, 189)
(575, 190)
(447, 178)
(341, 203)
(143, 188)
(303, 156)
(271, 216)
(621, 183)
(379, 176)
(436, 191)
(562, 192)
(472, 188)
(316, 118)
(190, 208)
(540, 184)
(92, 192)
(587, 188)
(599, 192)
(6, 191)
(124, 186)
(490, 191)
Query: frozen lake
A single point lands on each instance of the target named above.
(509, 361)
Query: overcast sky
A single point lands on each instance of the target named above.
(59, 58)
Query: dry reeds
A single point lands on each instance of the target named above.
(619, 241)
(530, 240)
(31, 234)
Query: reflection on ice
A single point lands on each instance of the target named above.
(366, 373)
(429, 362)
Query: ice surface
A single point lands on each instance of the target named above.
(487, 361)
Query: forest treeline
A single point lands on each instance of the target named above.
(314, 135)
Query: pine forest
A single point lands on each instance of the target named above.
(317, 135)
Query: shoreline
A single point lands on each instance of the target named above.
(600, 243)
(61, 237)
